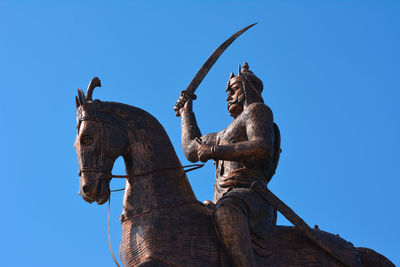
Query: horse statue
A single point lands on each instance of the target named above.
(163, 224)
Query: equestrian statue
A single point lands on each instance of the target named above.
(163, 224)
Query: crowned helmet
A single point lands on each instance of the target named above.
(252, 85)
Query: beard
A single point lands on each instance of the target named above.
(235, 106)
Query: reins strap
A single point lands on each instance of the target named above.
(194, 167)
(109, 235)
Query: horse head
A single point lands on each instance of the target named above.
(101, 138)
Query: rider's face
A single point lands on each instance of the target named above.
(235, 99)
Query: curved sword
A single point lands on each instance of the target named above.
(189, 92)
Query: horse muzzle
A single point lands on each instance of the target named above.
(94, 186)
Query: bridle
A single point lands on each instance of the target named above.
(100, 169)
(106, 174)
(100, 120)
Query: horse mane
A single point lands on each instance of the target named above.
(120, 111)
(133, 117)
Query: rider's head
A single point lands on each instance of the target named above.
(243, 89)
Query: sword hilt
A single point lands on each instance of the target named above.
(184, 97)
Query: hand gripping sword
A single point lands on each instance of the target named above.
(189, 92)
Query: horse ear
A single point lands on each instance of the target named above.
(81, 97)
(77, 102)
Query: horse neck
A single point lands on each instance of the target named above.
(151, 153)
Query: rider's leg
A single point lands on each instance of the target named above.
(152, 263)
(233, 232)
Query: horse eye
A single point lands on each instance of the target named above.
(87, 140)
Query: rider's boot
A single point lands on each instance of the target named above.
(233, 233)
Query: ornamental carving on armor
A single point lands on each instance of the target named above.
(163, 224)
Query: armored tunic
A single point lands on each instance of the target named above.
(245, 152)
(239, 174)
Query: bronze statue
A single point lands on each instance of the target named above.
(245, 152)
(162, 222)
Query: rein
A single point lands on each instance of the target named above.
(193, 167)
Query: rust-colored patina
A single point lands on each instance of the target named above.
(163, 223)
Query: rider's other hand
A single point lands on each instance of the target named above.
(204, 152)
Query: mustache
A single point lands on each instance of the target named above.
(238, 100)
(230, 103)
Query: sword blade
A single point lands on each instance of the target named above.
(209, 63)
(212, 59)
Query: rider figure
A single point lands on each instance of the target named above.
(243, 153)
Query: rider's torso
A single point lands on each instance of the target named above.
(235, 174)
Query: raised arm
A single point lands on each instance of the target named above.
(190, 131)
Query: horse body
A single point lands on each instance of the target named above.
(162, 219)
(163, 224)
(176, 236)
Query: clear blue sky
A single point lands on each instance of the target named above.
(331, 76)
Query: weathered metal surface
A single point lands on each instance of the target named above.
(245, 153)
(163, 224)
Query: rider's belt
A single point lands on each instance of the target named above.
(240, 178)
